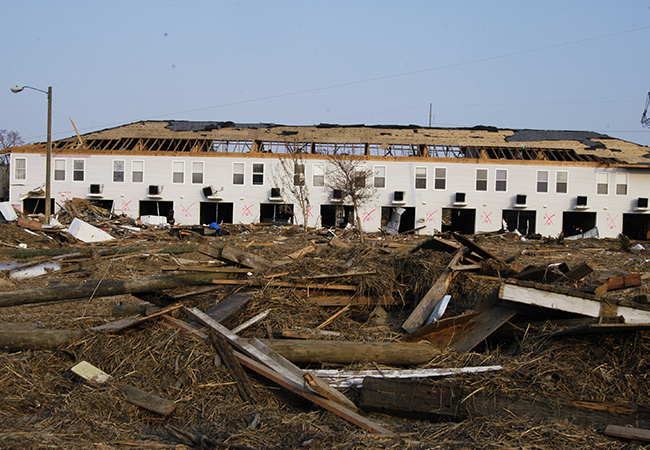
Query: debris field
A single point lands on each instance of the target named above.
(268, 337)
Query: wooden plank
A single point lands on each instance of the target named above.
(238, 256)
(428, 303)
(566, 303)
(579, 272)
(637, 434)
(340, 410)
(289, 284)
(129, 322)
(224, 350)
(147, 400)
(342, 300)
(340, 275)
(230, 306)
(302, 252)
(482, 326)
(333, 317)
(474, 248)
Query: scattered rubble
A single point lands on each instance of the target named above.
(255, 337)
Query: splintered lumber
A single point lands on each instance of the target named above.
(579, 272)
(571, 304)
(129, 322)
(147, 400)
(437, 244)
(350, 352)
(422, 399)
(289, 284)
(245, 258)
(428, 303)
(338, 409)
(339, 275)
(224, 350)
(12, 340)
(230, 306)
(473, 247)
(343, 300)
(105, 288)
(463, 333)
(302, 252)
(354, 378)
(267, 356)
(624, 281)
(637, 434)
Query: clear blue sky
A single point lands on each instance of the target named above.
(566, 65)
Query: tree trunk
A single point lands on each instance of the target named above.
(106, 288)
(356, 212)
(37, 339)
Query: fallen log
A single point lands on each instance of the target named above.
(105, 288)
(422, 400)
(37, 339)
(349, 352)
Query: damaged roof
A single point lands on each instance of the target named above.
(584, 145)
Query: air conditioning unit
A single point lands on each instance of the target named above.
(520, 201)
(211, 193)
(337, 196)
(96, 190)
(276, 195)
(459, 200)
(641, 204)
(581, 202)
(155, 191)
(398, 198)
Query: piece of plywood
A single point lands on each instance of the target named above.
(230, 306)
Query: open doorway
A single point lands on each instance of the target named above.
(336, 216)
(636, 226)
(459, 220)
(397, 219)
(36, 205)
(280, 213)
(577, 222)
(215, 212)
(157, 208)
(520, 220)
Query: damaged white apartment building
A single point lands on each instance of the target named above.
(467, 180)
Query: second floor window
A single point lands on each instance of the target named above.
(78, 168)
(501, 184)
(137, 171)
(197, 172)
(59, 170)
(118, 171)
(542, 181)
(562, 182)
(380, 176)
(178, 172)
(602, 183)
(318, 177)
(481, 179)
(20, 169)
(621, 184)
(420, 178)
(238, 173)
(299, 174)
(258, 174)
(440, 181)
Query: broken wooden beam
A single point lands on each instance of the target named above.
(13, 340)
(105, 288)
(425, 400)
(474, 247)
(428, 303)
(230, 306)
(244, 258)
(636, 434)
(567, 303)
(224, 350)
(147, 400)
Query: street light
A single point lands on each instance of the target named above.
(48, 159)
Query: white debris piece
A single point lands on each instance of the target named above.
(88, 233)
(8, 212)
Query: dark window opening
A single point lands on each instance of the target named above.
(215, 212)
(522, 221)
(36, 205)
(276, 213)
(575, 222)
(336, 216)
(459, 220)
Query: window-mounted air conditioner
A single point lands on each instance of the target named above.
(459, 199)
(581, 202)
(154, 191)
(641, 204)
(96, 190)
(520, 201)
(398, 198)
(211, 193)
(337, 196)
(276, 195)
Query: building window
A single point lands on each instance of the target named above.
(562, 182)
(621, 184)
(178, 171)
(197, 172)
(542, 181)
(258, 174)
(59, 170)
(602, 183)
(380, 176)
(440, 178)
(420, 178)
(238, 173)
(20, 169)
(137, 171)
(299, 174)
(481, 179)
(118, 171)
(78, 168)
(501, 184)
(360, 178)
(318, 177)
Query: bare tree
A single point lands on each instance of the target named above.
(9, 139)
(289, 176)
(355, 182)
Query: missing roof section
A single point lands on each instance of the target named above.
(185, 125)
(584, 137)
